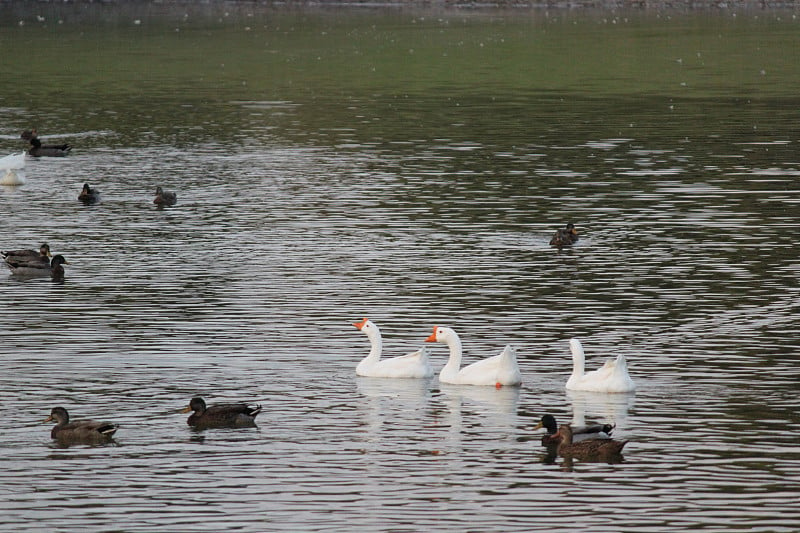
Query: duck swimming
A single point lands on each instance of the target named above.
(236, 415)
(88, 195)
(87, 431)
(40, 269)
(588, 448)
(16, 258)
(41, 150)
(594, 431)
(165, 198)
(565, 236)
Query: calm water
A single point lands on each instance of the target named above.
(410, 167)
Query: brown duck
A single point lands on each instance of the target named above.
(165, 198)
(88, 431)
(565, 236)
(591, 431)
(237, 415)
(589, 448)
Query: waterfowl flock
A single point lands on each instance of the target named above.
(500, 370)
(32, 264)
(503, 370)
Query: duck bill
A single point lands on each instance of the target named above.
(48, 419)
(360, 325)
(186, 409)
(538, 426)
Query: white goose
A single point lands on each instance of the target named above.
(12, 169)
(494, 371)
(611, 377)
(412, 365)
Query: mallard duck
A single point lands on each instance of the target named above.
(36, 268)
(165, 198)
(56, 268)
(594, 431)
(221, 415)
(39, 150)
(88, 195)
(588, 448)
(411, 365)
(565, 236)
(17, 258)
(79, 430)
(611, 377)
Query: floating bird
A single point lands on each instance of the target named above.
(588, 448)
(16, 258)
(611, 377)
(565, 236)
(56, 268)
(495, 371)
(38, 269)
(12, 169)
(39, 150)
(412, 365)
(88, 431)
(221, 415)
(88, 195)
(594, 431)
(164, 198)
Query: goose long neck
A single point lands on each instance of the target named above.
(376, 344)
(577, 357)
(454, 343)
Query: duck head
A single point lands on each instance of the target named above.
(197, 404)
(59, 414)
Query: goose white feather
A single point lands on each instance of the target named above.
(611, 377)
(494, 371)
(13, 162)
(12, 169)
(412, 365)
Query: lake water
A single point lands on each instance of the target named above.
(409, 166)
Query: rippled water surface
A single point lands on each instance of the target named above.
(410, 167)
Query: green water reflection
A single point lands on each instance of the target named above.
(496, 78)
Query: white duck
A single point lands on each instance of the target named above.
(494, 371)
(611, 377)
(412, 365)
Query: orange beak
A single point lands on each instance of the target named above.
(360, 325)
(432, 338)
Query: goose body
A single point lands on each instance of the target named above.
(611, 377)
(235, 415)
(588, 448)
(165, 198)
(11, 169)
(494, 371)
(41, 150)
(89, 195)
(413, 365)
(593, 431)
(88, 431)
(565, 236)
